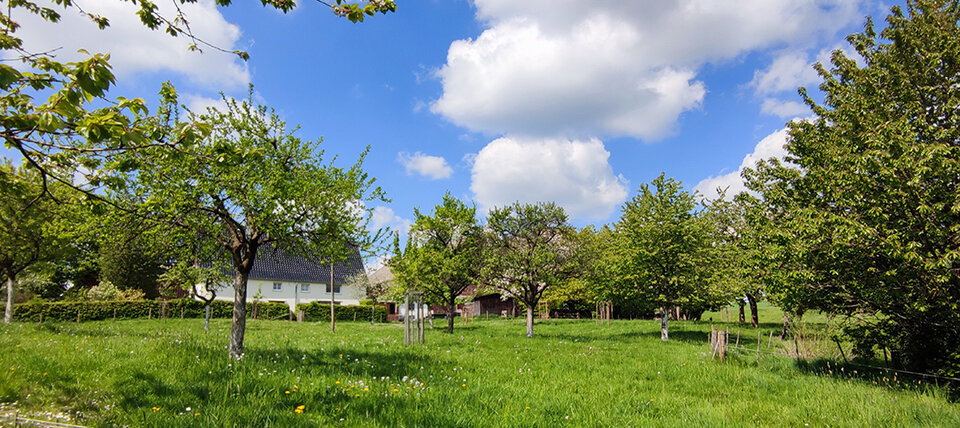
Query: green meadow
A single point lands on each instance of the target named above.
(168, 373)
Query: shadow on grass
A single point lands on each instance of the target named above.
(871, 372)
(260, 389)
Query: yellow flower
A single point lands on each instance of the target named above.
(337, 382)
(463, 386)
(366, 389)
(526, 408)
(44, 373)
(196, 414)
(286, 392)
(299, 409)
(396, 390)
(155, 408)
(357, 395)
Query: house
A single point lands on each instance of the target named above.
(487, 302)
(291, 279)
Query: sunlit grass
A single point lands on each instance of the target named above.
(172, 373)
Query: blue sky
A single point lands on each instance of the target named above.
(497, 100)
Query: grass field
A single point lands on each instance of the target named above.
(170, 372)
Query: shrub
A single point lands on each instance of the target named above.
(316, 311)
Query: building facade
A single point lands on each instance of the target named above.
(291, 279)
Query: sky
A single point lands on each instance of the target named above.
(499, 101)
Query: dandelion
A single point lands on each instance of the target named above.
(463, 386)
(286, 392)
(337, 382)
(526, 408)
(155, 408)
(196, 414)
(299, 409)
(396, 390)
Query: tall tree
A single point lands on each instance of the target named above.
(877, 185)
(531, 248)
(443, 254)
(31, 228)
(251, 183)
(662, 245)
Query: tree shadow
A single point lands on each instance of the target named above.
(870, 372)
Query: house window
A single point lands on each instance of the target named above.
(276, 286)
(304, 288)
(336, 288)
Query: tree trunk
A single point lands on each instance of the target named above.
(743, 318)
(451, 309)
(206, 317)
(754, 317)
(8, 312)
(333, 293)
(239, 315)
(664, 316)
(530, 320)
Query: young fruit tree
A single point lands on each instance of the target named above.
(530, 248)
(443, 254)
(250, 183)
(661, 246)
(32, 229)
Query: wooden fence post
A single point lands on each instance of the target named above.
(738, 339)
(150, 313)
(78, 314)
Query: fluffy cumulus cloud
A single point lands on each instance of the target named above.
(574, 174)
(386, 217)
(134, 48)
(770, 146)
(434, 167)
(611, 68)
(783, 108)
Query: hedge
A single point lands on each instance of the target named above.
(316, 311)
(183, 308)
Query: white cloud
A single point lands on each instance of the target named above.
(199, 104)
(134, 48)
(788, 71)
(385, 217)
(552, 68)
(574, 174)
(770, 146)
(783, 108)
(434, 167)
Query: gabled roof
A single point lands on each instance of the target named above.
(277, 266)
(384, 274)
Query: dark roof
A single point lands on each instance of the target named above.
(277, 266)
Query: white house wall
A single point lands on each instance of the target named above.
(291, 294)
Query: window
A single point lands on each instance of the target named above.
(276, 286)
(336, 288)
(305, 288)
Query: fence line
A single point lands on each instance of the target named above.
(21, 421)
(928, 375)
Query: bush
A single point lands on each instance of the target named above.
(186, 308)
(316, 311)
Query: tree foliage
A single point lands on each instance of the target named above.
(32, 230)
(871, 197)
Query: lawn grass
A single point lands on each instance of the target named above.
(573, 373)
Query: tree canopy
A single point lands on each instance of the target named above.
(870, 194)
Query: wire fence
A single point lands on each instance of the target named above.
(745, 350)
(14, 419)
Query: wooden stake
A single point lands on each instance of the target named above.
(770, 340)
(78, 320)
(738, 339)
(149, 313)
